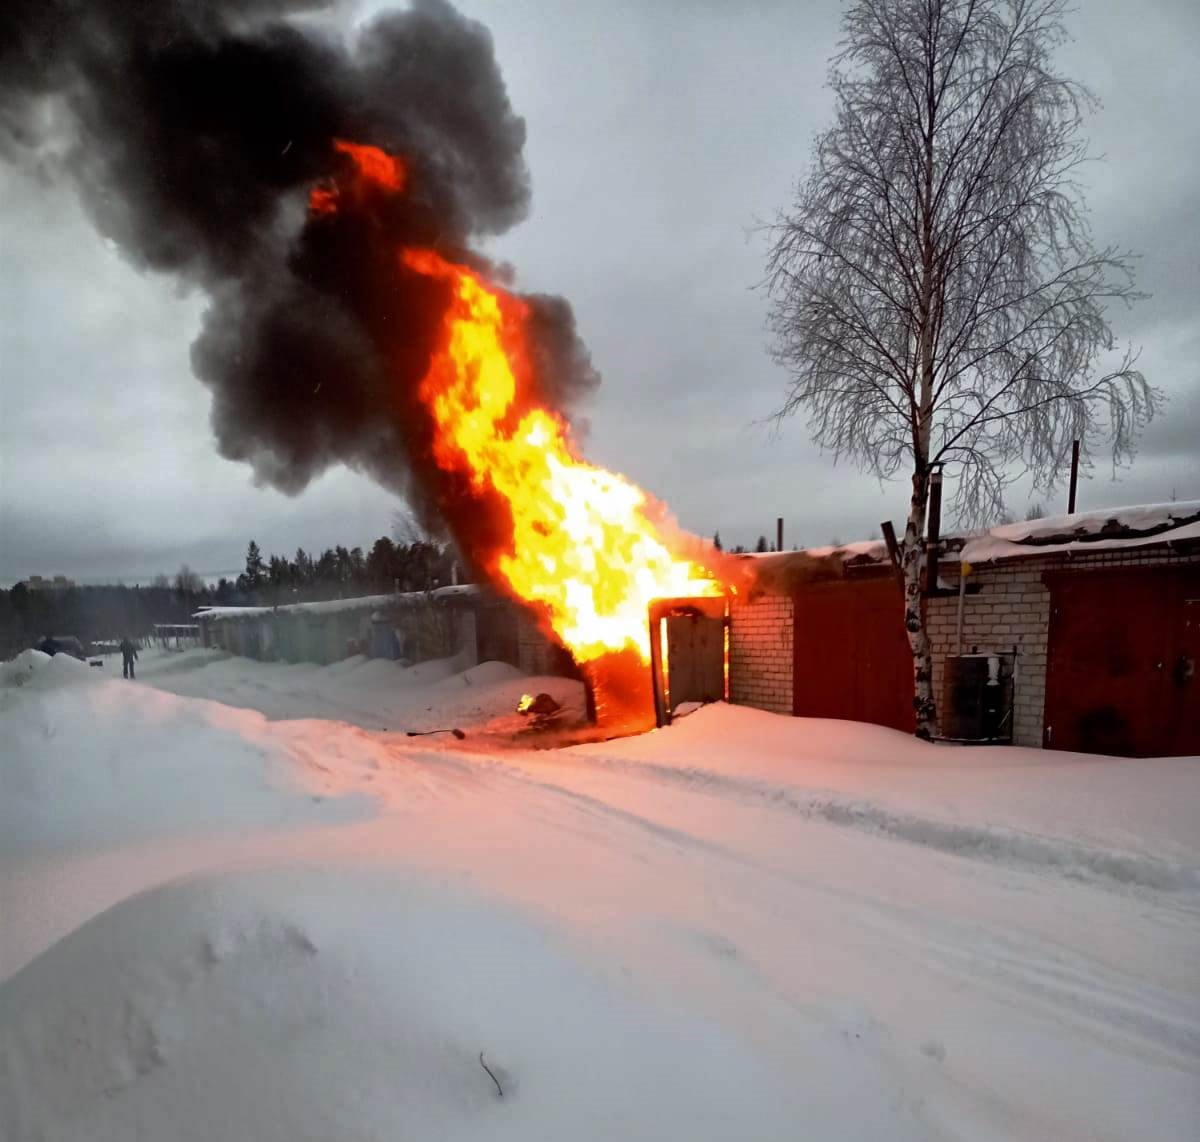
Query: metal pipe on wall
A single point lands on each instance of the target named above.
(1074, 478)
(893, 548)
(964, 569)
(933, 530)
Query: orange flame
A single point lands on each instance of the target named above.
(373, 168)
(583, 544)
(322, 200)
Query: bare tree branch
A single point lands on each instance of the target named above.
(935, 295)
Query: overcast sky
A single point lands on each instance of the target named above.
(659, 134)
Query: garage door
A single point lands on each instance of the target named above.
(1121, 668)
(851, 653)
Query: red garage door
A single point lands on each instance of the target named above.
(851, 653)
(1121, 669)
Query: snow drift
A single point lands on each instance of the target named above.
(314, 1005)
(217, 923)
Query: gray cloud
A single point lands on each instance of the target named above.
(657, 136)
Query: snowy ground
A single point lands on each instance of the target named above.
(237, 902)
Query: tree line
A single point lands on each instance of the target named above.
(420, 564)
(107, 612)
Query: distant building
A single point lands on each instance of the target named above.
(57, 583)
(468, 622)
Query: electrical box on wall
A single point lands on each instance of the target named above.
(977, 703)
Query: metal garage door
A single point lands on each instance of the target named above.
(1121, 668)
(852, 658)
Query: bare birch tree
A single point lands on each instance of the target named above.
(935, 293)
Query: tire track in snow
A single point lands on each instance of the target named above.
(1030, 851)
(1107, 1003)
(1069, 988)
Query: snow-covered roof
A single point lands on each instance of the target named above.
(1107, 529)
(872, 549)
(783, 571)
(1139, 525)
(337, 606)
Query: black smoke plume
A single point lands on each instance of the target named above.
(195, 131)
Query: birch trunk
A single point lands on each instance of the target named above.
(912, 564)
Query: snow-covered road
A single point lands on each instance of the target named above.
(782, 927)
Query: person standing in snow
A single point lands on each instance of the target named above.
(128, 655)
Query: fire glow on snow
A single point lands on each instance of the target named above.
(235, 923)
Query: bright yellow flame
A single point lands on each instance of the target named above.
(583, 545)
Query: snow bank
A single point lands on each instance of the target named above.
(42, 671)
(86, 759)
(88, 764)
(262, 1006)
(373, 693)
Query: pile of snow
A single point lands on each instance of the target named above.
(316, 1005)
(89, 761)
(41, 670)
(373, 693)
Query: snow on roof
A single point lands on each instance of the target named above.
(1106, 529)
(338, 606)
(872, 548)
(780, 571)
(864, 550)
(1139, 525)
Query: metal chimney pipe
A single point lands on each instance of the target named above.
(779, 533)
(935, 505)
(1074, 478)
(893, 548)
(934, 528)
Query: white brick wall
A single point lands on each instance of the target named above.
(1012, 609)
(760, 653)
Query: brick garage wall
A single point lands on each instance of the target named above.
(1012, 609)
(760, 653)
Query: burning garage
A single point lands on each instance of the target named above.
(330, 196)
